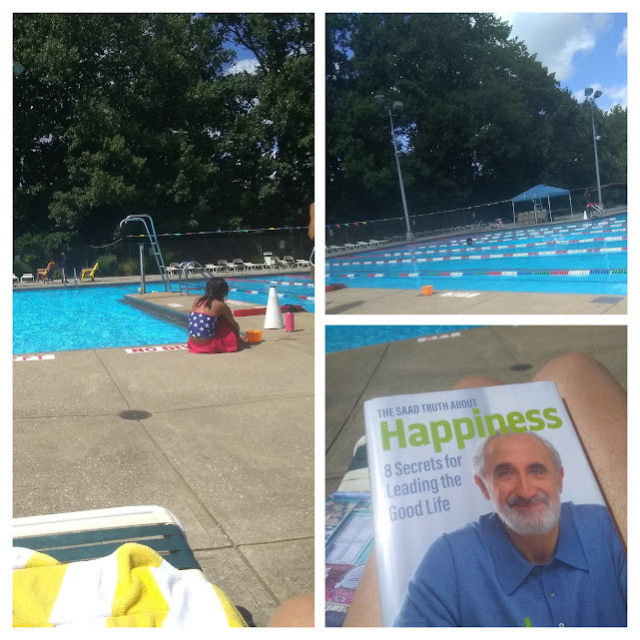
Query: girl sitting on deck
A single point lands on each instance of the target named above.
(212, 327)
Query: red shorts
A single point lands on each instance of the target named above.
(223, 341)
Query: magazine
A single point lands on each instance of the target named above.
(420, 451)
(348, 544)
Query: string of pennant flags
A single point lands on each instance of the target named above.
(287, 228)
(418, 215)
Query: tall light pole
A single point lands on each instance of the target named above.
(591, 100)
(398, 106)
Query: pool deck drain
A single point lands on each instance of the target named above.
(355, 300)
(228, 448)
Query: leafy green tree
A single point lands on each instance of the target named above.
(483, 119)
(138, 113)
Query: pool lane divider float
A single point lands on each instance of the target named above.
(34, 358)
(518, 272)
(502, 237)
(279, 283)
(485, 256)
(502, 246)
(261, 311)
(280, 295)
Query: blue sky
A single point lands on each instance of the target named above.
(245, 60)
(583, 49)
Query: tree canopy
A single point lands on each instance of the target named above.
(483, 119)
(144, 113)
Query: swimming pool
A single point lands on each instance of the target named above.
(85, 318)
(341, 338)
(579, 257)
(97, 318)
(295, 289)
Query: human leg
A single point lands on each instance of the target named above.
(473, 382)
(598, 408)
(295, 612)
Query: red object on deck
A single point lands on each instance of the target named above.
(260, 311)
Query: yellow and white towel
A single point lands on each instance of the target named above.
(132, 587)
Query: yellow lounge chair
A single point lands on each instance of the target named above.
(46, 273)
(89, 272)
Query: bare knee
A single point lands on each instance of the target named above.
(571, 365)
(295, 612)
(472, 382)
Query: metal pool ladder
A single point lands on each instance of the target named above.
(184, 269)
(153, 243)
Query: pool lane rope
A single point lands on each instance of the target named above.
(280, 283)
(486, 247)
(486, 256)
(488, 240)
(478, 272)
(280, 295)
(511, 235)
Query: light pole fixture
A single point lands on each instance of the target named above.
(591, 100)
(397, 106)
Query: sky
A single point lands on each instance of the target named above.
(582, 49)
(245, 60)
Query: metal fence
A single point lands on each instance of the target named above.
(123, 258)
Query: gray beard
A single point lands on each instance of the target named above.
(527, 524)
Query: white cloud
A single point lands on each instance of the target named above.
(250, 65)
(557, 37)
(622, 47)
(615, 94)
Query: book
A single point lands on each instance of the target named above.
(420, 451)
(348, 544)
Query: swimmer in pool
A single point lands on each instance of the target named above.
(212, 327)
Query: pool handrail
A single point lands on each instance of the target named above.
(184, 268)
(153, 242)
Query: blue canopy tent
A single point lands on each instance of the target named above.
(536, 194)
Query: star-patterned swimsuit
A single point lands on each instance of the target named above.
(202, 325)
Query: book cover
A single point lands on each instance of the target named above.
(348, 544)
(420, 450)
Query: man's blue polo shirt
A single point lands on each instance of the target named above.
(475, 577)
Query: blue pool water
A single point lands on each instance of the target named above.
(579, 257)
(85, 318)
(340, 338)
(96, 318)
(291, 288)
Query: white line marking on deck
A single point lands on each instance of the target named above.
(440, 336)
(459, 294)
(173, 304)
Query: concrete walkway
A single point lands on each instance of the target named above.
(395, 301)
(228, 448)
(409, 366)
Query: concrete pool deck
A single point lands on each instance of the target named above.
(353, 301)
(407, 366)
(228, 448)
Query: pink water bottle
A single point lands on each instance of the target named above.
(289, 323)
